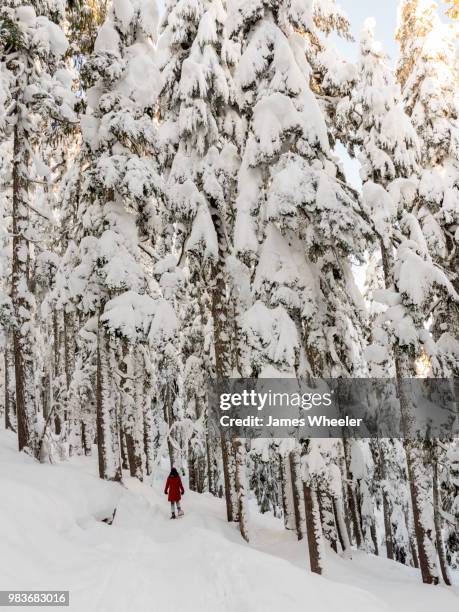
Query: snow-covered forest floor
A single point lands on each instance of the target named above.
(53, 537)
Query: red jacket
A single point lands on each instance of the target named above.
(175, 488)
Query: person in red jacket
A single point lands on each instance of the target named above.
(175, 489)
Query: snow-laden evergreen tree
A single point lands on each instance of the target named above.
(390, 154)
(430, 77)
(452, 509)
(31, 46)
(199, 134)
(292, 197)
(6, 306)
(116, 209)
(297, 222)
(430, 90)
(389, 487)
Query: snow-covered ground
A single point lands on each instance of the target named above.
(52, 537)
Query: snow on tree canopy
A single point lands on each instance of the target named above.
(417, 276)
(271, 331)
(140, 318)
(203, 236)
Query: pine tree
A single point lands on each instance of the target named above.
(390, 153)
(430, 96)
(198, 132)
(293, 201)
(429, 76)
(6, 307)
(31, 47)
(118, 201)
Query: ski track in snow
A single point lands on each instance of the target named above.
(53, 537)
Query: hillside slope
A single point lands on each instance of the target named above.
(53, 537)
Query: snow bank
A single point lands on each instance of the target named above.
(42, 508)
(53, 538)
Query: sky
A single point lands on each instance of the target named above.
(385, 14)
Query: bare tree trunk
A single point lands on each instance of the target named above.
(87, 442)
(229, 479)
(374, 538)
(352, 498)
(169, 418)
(241, 487)
(9, 405)
(69, 348)
(386, 506)
(210, 472)
(69, 367)
(54, 375)
(341, 526)
(414, 551)
(297, 490)
(123, 449)
(313, 529)
(201, 473)
(138, 418)
(426, 548)
(437, 520)
(191, 468)
(328, 518)
(287, 493)
(135, 462)
(107, 418)
(20, 295)
(148, 437)
(131, 412)
(222, 350)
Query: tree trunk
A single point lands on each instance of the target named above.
(437, 521)
(87, 442)
(414, 551)
(241, 487)
(69, 366)
(131, 411)
(287, 493)
(148, 437)
(9, 404)
(222, 350)
(107, 419)
(297, 490)
(201, 474)
(229, 479)
(424, 535)
(210, 473)
(386, 506)
(341, 527)
(21, 297)
(191, 468)
(374, 538)
(169, 419)
(352, 498)
(69, 348)
(54, 376)
(327, 518)
(313, 529)
(123, 449)
(134, 460)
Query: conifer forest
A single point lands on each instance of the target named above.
(194, 191)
